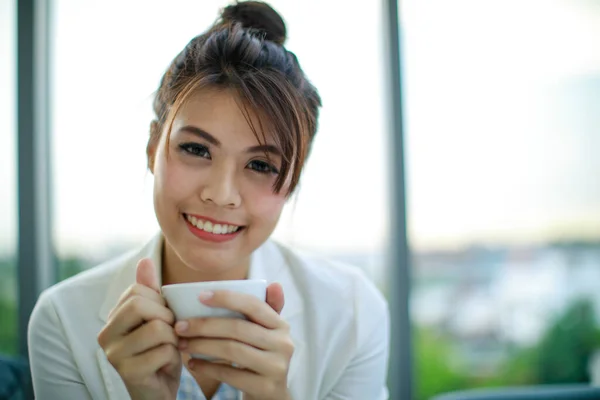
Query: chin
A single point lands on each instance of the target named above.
(210, 260)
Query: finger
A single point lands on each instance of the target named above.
(146, 274)
(246, 381)
(138, 310)
(275, 297)
(143, 365)
(138, 290)
(134, 312)
(248, 357)
(146, 337)
(228, 328)
(254, 309)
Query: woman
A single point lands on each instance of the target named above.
(235, 118)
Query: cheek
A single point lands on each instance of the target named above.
(265, 205)
(174, 181)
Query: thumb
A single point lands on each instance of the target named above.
(275, 297)
(146, 274)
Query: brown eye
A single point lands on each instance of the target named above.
(195, 149)
(262, 167)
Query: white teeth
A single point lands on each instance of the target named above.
(217, 229)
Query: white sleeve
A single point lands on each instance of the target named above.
(53, 369)
(366, 375)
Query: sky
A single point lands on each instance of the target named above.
(498, 148)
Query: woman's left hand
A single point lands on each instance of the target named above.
(261, 348)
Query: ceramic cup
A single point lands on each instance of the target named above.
(182, 299)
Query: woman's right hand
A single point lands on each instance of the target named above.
(140, 342)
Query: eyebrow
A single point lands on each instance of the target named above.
(263, 148)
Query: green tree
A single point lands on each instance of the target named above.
(8, 327)
(434, 374)
(519, 369)
(562, 354)
(69, 267)
(565, 350)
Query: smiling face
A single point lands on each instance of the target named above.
(213, 187)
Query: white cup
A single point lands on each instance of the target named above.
(182, 299)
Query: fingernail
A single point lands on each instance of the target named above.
(183, 343)
(182, 326)
(203, 296)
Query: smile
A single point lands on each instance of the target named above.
(208, 226)
(210, 230)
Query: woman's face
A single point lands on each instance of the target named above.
(213, 196)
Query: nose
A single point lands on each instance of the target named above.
(221, 188)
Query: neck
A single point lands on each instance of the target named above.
(174, 270)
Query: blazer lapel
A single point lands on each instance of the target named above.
(115, 387)
(126, 276)
(269, 263)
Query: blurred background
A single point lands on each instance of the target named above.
(501, 104)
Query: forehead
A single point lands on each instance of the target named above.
(220, 113)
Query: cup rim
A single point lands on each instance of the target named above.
(215, 283)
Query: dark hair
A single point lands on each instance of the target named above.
(244, 51)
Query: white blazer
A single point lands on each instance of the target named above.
(339, 324)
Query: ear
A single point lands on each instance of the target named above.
(152, 144)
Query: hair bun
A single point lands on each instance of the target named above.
(259, 16)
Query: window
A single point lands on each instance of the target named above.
(502, 118)
(8, 188)
(103, 84)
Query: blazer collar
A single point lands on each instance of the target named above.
(268, 262)
(125, 276)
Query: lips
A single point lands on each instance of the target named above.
(212, 230)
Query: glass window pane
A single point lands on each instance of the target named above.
(8, 188)
(502, 113)
(104, 81)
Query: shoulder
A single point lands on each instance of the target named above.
(79, 298)
(341, 319)
(334, 276)
(88, 285)
(332, 286)
(63, 328)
